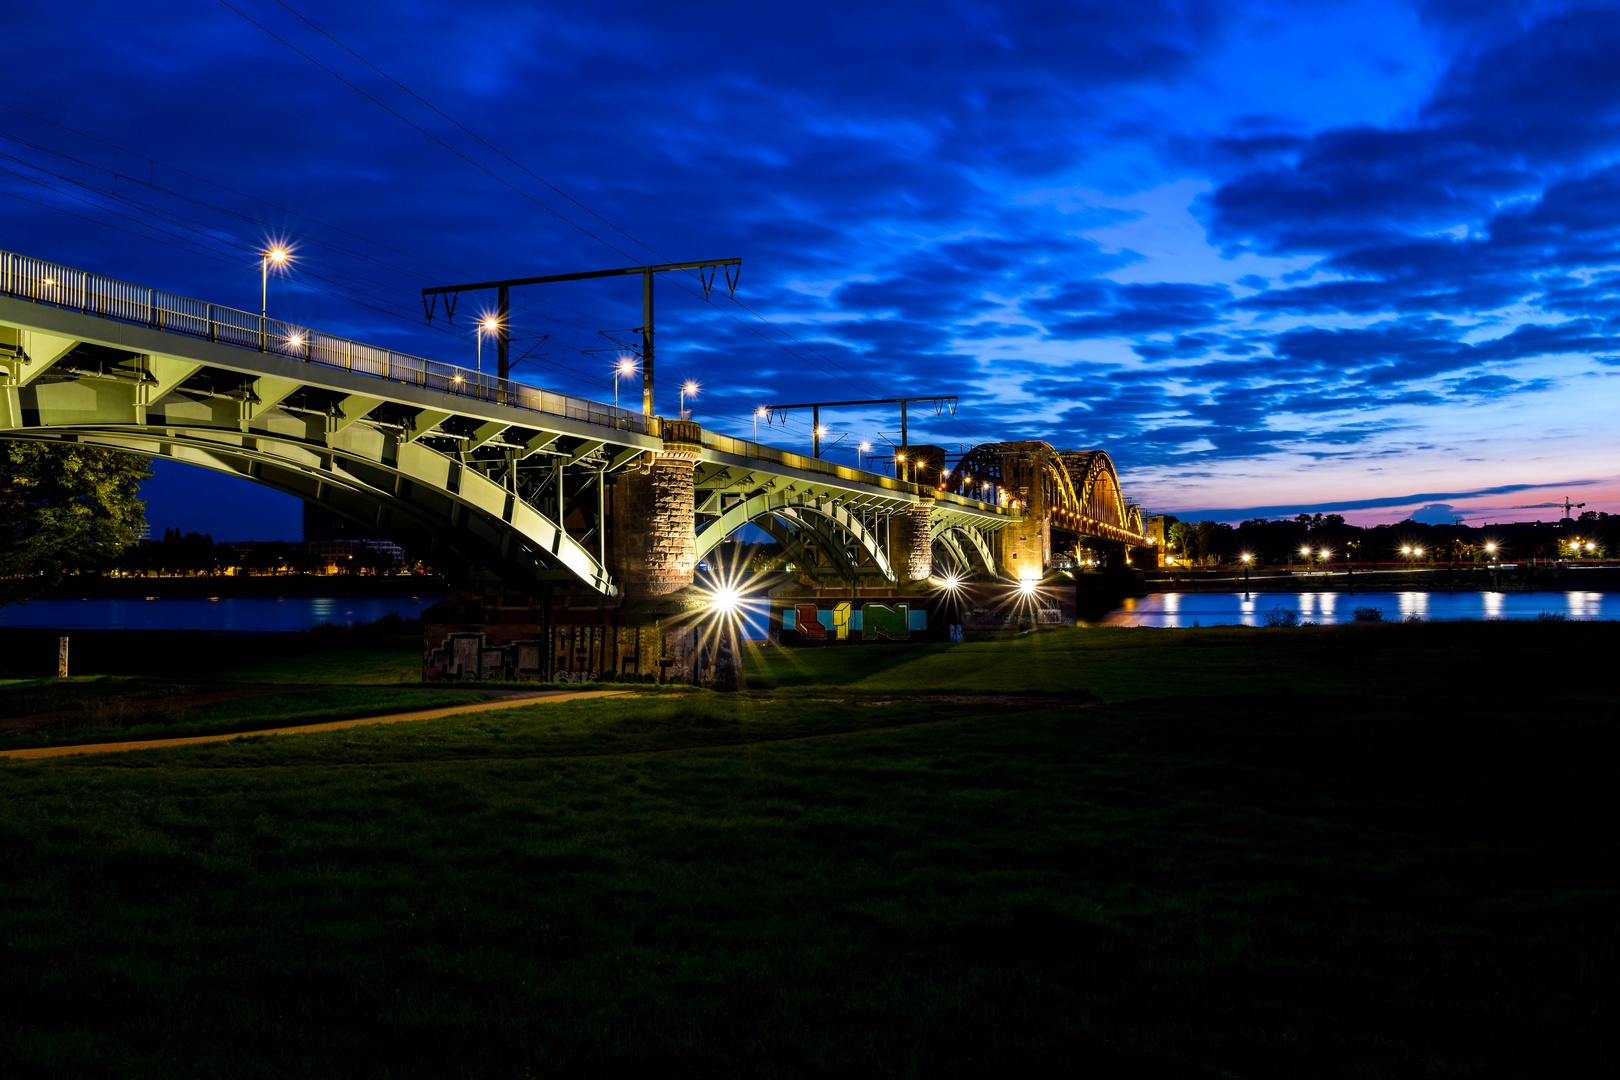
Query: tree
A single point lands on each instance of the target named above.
(64, 507)
(1183, 535)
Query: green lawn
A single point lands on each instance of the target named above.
(1323, 864)
(136, 709)
(1126, 664)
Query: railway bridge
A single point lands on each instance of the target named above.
(559, 511)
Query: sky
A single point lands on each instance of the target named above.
(1322, 256)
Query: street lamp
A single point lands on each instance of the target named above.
(487, 325)
(759, 412)
(860, 450)
(625, 367)
(689, 387)
(277, 255)
(1247, 558)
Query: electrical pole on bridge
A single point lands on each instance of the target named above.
(815, 408)
(503, 307)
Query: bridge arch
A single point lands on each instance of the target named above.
(458, 518)
(829, 521)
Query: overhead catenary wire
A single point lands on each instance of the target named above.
(515, 188)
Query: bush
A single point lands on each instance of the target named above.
(1368, 614)
(1280, 616)
(1413, 618)
(1552, 616)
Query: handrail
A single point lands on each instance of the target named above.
(64, 287)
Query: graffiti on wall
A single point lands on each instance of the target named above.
(844, 621)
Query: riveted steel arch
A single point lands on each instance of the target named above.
(797, 509)
(951, 536)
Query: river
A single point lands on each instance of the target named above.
(1248, 609)
(268, 614)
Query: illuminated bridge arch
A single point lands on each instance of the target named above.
(1077, 490)
(484, 490)
(801, 520)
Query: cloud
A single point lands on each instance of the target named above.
(1379, 503)
(1435, 514)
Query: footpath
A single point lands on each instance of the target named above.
(510, 702)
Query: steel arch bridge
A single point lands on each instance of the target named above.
(1077, 490)
(490, 480)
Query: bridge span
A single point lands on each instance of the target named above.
(512, 488)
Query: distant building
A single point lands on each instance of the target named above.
(1156, 527)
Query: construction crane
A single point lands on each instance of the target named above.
(1566, 504)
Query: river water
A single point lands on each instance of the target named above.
(231, 613)
(290, 613)
(1248, 609)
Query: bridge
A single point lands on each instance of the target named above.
(513, 489)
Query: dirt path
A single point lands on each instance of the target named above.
(332, 725)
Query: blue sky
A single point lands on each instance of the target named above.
(1270, 256)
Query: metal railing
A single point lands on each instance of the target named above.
(759, 451)
(65, 287)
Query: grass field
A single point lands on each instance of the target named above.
(1353, 852)
(116, 710)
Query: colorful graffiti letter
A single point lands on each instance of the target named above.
(841, 620)
(893, 623)
(806, 622)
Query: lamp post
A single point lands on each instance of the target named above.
(625, 367)
(1246, 560)
(759, 412)
(278, 256)
(687, 387)
(487, 325)
(860, 450)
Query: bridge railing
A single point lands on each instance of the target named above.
(64, 287)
